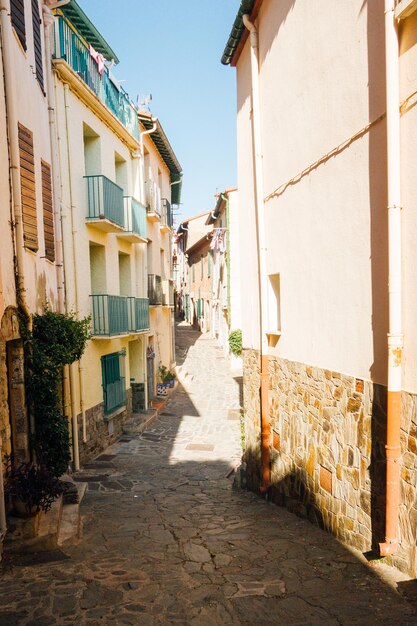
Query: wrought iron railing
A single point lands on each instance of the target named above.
(166, 213)
(154, 289)
(135, 217)
(70, 47)
(153, 198)
(168, 293)
(104, 200)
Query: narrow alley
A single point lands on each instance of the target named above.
(166, 540)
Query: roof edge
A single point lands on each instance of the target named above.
(239, 34)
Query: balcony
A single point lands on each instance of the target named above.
(138, 314)
(153, 201)
(105, 204)
(70, 48)
(154, 289)
(119, 315)
(168, 293)
(135, 221)
(166, 215)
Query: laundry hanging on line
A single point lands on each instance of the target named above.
(218, 241)
(98, 58)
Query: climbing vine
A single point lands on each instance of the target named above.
(56, 340)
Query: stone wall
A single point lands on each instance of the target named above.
(101, 430)
(328, 434)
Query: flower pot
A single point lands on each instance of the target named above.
(20, 510)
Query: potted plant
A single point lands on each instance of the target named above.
(32, 488)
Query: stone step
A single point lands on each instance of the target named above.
(45, 531)
(70, 527)
(139, 422)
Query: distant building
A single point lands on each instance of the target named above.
(225, 297)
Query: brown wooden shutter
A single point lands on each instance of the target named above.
(48, 214)
(27, 183)
(17, 10)
(37, 42)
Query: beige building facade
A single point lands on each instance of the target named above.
(29, 279)
(321, 200)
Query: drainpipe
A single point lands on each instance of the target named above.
(395, 336)
(154, 120)
(261, 250)
(49, 20)
(74, 371)
(12, 121)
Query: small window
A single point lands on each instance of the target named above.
(28, 191)
(17, 12)
(37, 41)
(114, 381)
(48, 216)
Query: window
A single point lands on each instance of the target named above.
(202, 267)
(48, 217)
(37, 41)
(209, 262)
(17, 12)
(114, 380)
(27, 183)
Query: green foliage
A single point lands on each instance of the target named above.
(57, 339)
(164, 374)
(235, 342)
(33, 485)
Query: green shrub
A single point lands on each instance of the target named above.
(57, 339)
(235, 342)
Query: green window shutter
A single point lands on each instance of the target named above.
(17, 13)
(37, 41)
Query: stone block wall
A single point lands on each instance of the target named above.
(328, 434)
(101, 430)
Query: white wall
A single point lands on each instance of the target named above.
(326, 233)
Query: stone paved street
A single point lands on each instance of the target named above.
(167, 541)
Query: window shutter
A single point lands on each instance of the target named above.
(28, 193)
(48, 216)
(17, 10)
(37, 41)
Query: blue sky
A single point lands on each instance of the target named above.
(172, 49)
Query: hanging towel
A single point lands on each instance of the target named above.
(98, 58)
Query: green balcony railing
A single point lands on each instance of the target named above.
(166, 214)
(70, 47)
(104, 200)
(135, 217)
(119, 315)
(110, 315)
(139, 314)
(154, 289)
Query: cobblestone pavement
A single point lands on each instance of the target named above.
(167, 541)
